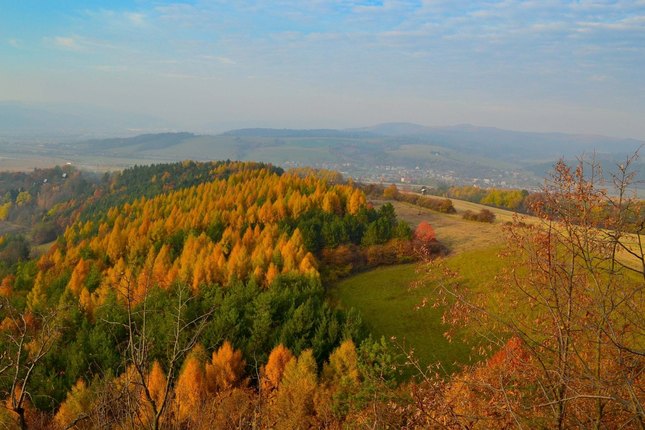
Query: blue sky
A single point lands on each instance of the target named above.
(205, 65)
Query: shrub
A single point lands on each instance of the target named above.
(484, 215)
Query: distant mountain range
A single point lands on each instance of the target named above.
(462, 151)
(514, 146)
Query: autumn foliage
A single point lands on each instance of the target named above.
(424, 232)
(213, 233)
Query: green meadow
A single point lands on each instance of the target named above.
(390, 299)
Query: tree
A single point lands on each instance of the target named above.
(340, 382)
(225, 369)
(293, 407)
(391, 192)
(26, 339)
(75, 407)
(424, 232)
(572, 304)
(190, 390)
(272, 373)
(185, 334)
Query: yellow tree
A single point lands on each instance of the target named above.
(190, 390)
(356, 201)
(77, 280)
(75, 408)
(340, 380)
(272, 373)
(293, 406)
(225, 369)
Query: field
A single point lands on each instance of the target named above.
(389, 305)
(452, 230)
(389, 297)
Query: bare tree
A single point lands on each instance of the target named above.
(185, 335)
(28, 338)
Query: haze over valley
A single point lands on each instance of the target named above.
(388, 152)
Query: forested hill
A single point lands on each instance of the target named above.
(40, 204)
(197, 298)
(232, 252)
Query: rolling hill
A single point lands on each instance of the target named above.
(457, 154)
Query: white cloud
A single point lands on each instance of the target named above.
(225, 60)
(137, 19)
(14, 42)
(69, 43)
(636, 23)
(219, 59)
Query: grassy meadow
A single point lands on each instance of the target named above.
(390, 306)
(389, 298)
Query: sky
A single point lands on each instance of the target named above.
(536, 65)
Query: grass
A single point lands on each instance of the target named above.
(389, 307)
(452, 230)
(38, 250)
(388, 299)
(389, 304)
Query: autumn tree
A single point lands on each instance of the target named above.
(424, 232)
(391, 192)
(293, 406)
(572, 304)
(76, 407)
(190, 390)
(186, 331)
(340, 382)
(26, 339)
(225, 369)
(272, 373)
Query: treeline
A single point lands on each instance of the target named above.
(391, 192)
(45, 201)
(514, 200)
(149, 181)
(632, 213)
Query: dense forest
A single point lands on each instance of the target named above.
(187, 255)
(193, 295)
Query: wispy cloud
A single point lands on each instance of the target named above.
(219, 59)
(67, 43)
(138, 19)
(590, 52)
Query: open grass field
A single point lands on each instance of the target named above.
(452, 230)
(389, 306)
(388, 298)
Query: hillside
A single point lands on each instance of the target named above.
(236, 248)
